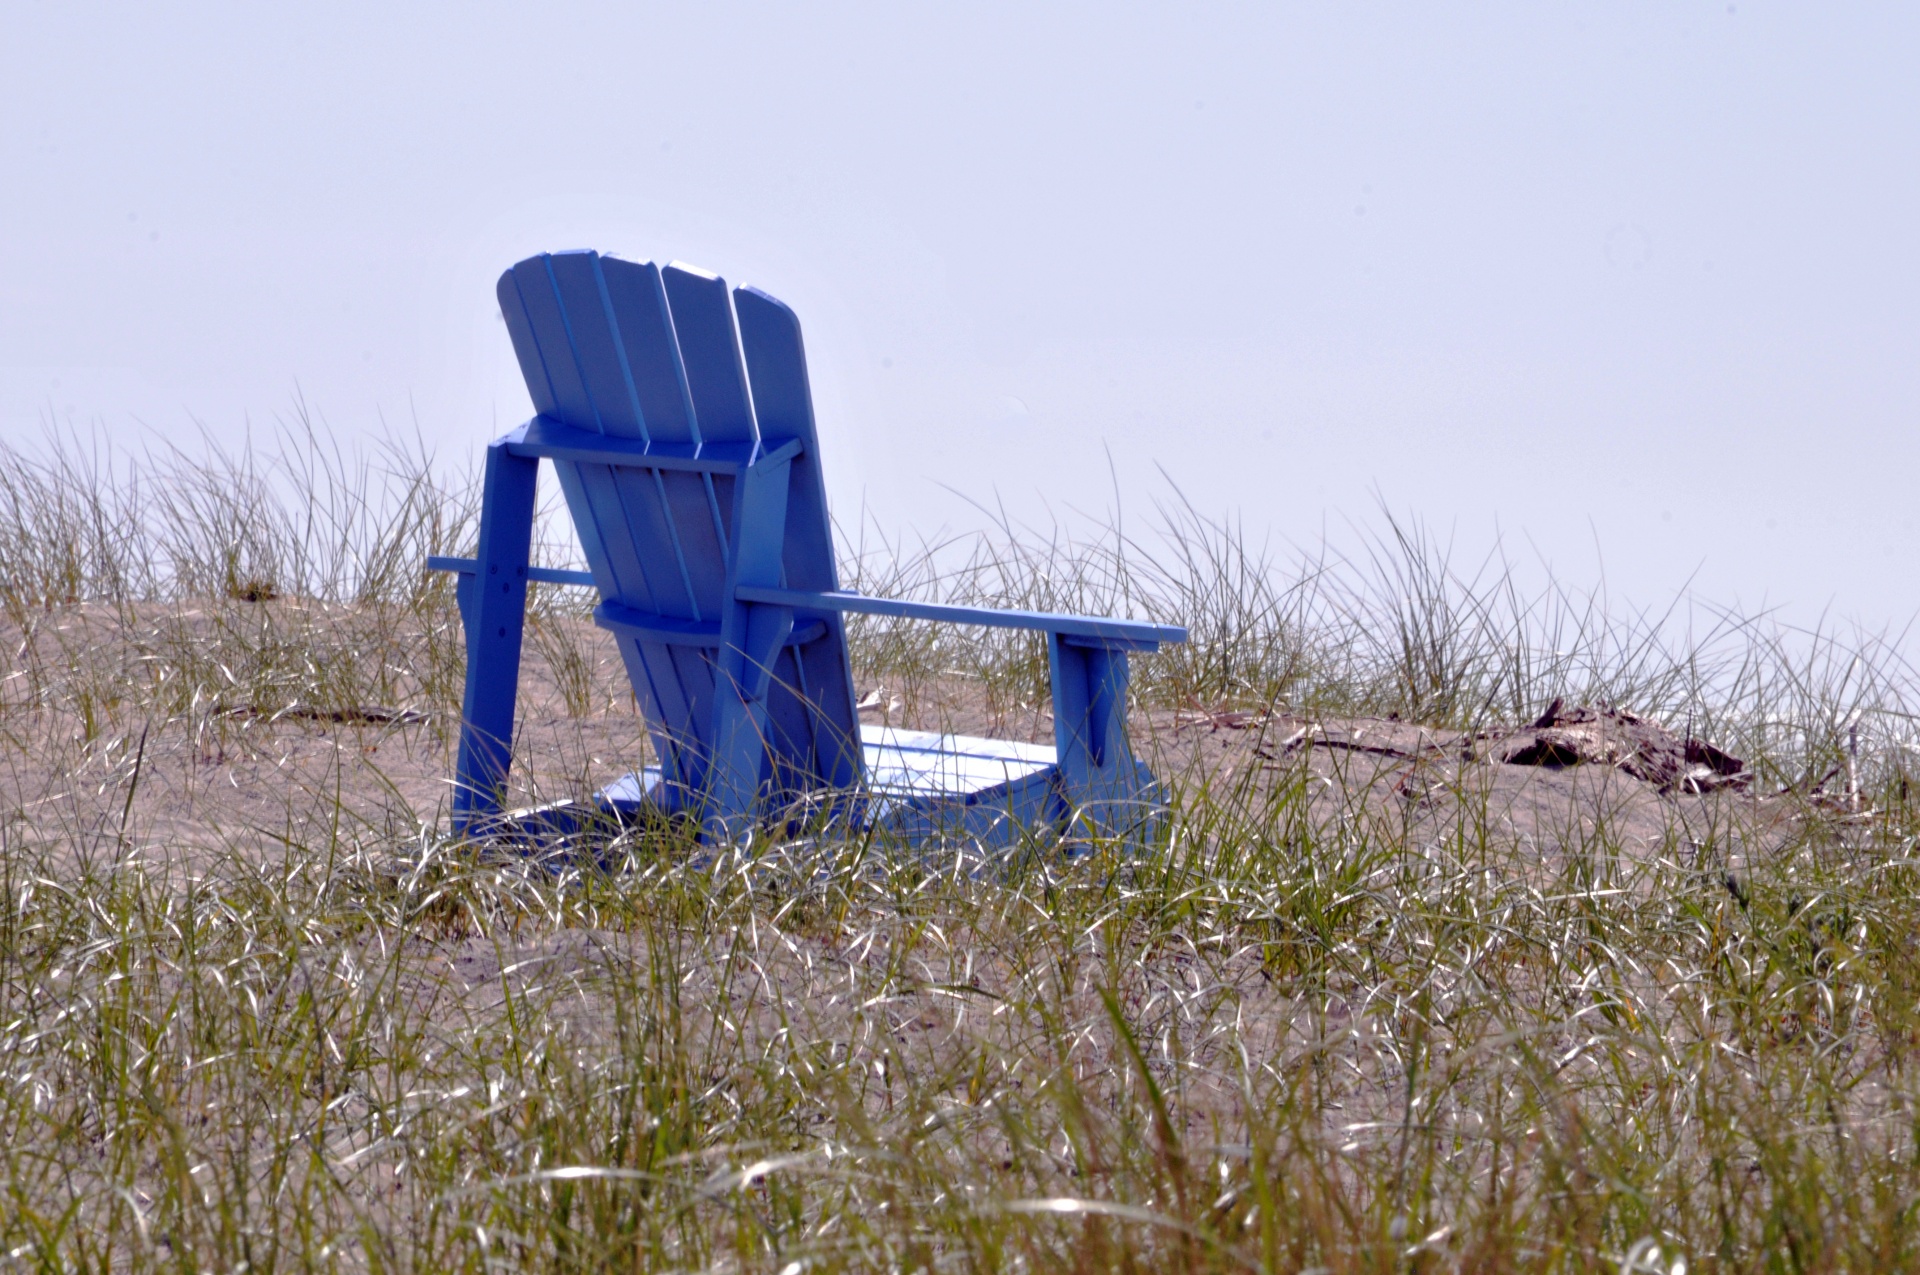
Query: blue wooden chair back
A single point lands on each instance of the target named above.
(708, 385)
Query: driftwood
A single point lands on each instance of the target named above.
(1587, 735)
(1560, 737)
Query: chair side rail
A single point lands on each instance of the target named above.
(545, 575)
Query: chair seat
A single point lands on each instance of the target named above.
(917, 763)
(924, 785)
(922, 782)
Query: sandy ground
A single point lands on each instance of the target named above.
(245, 780)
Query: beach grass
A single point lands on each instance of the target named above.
(301, 1026)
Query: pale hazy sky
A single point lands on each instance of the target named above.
(1640, 276)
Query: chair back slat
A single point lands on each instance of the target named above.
(703, 325)
(637, 298)
(526, 347)
(595, 341)
(776, 363)
(534, 294)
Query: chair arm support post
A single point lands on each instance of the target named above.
(493, 613)
(1104, 784)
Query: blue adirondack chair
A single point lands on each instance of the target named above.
(679, 421)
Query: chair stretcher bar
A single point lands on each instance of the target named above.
(544, 575)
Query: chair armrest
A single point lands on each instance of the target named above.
(1132, 635)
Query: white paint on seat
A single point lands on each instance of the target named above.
(902, 766)
(631, 789)
(922, 763)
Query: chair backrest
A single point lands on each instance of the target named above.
(669, 358)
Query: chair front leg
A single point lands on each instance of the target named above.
(493, 613)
